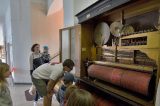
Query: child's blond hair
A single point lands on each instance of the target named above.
(80, 97)
(69, 90)
(4, 67)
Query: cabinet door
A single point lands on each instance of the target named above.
(77, 49)
(65, 44)
(70, 45)
(73, 43)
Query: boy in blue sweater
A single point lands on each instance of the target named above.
(67, 81)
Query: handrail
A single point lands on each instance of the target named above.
(55, 55)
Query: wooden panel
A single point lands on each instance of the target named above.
(74, 47)
(66, 45)
(77, 50)
(153, 40)
(147, 69)
(86, 44)
(144, 22)
(141, 7)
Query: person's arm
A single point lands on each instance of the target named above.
(58, 95)
(52, 83)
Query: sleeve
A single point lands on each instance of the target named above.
(49, 56)
(57, 95)
(31, 61)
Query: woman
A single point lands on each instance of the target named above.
(5, 98)
(35, 61)
(35, 57)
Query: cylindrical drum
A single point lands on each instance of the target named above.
(129, 79)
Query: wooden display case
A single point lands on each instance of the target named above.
(147, 43)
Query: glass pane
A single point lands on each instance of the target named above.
(65, 45)
(73, 44)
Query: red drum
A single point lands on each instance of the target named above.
(129, 79)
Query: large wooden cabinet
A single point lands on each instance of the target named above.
(143, 15)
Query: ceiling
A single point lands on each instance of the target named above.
(55, 6)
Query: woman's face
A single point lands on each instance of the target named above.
(7, 74)
(37, 48)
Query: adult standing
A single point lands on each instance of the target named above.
(35, 61)
(35, 57)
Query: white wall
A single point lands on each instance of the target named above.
(72, 7)
(45, 29)
(26, 22)
(55, 6)
(68, 12)
(21, 34)
(1, 35)
(49, 3)
(80, 5)
(8, 31)
(8, 36)
(21, 39)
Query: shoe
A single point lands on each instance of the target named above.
(41, 98)
(35, 103)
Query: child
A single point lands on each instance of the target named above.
(67, 81)
(80, 97)
(35, 61)
(45, 54)
(46, 76)
(5, 98)
(69, 90)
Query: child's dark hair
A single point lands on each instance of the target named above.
(69, 63)
(33, 46)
